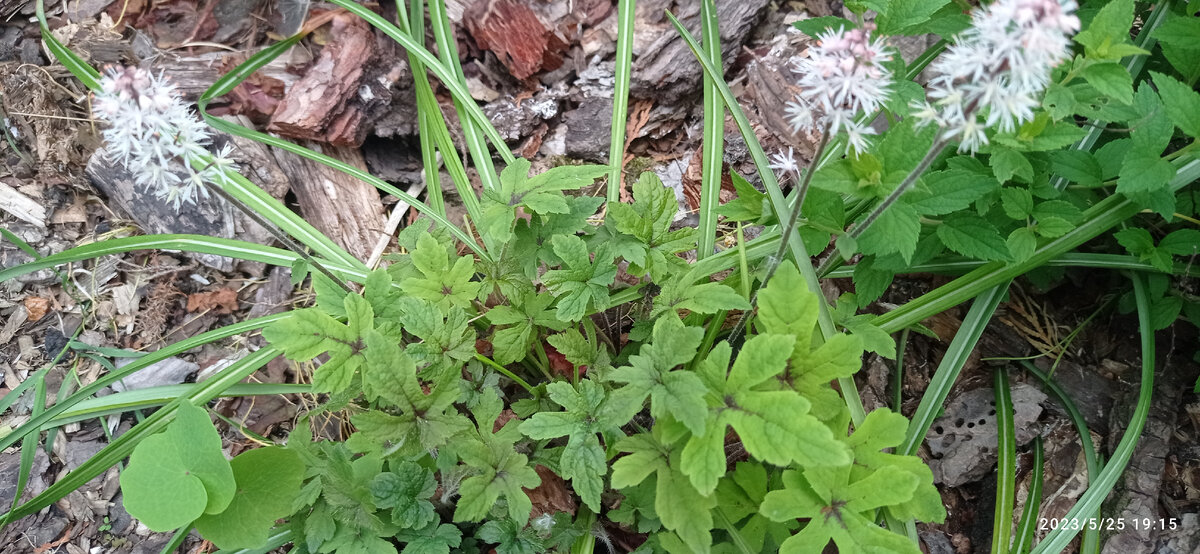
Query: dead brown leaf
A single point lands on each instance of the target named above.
(223, 301)
(552, 495)
(36, 307)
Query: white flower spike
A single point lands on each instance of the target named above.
(842, 77)
(156, 137)
(993, 75)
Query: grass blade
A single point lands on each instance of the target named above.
(270, 208)
(79, 68)
(1029, 516)
(1091, 535)
(1006, 465)
(623, 67)
(446, 75)
(713, 144)
(443, 34)
(948, 369)
(153, 397)
(1099, 489)
(184, 243)
(42, 420)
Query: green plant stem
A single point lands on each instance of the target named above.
(623, 66)
(282, 237)
(906, 185)
(788, 229)
(504, 371)
(898, 374)
(1006, 465)
(1099, 218)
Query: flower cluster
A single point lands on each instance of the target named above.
(994, 73)
(156, 137)
(842, 77)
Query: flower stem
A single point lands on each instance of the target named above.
(279, 235)
(788, 229)
(835, 258)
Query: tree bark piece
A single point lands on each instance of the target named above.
(342, 207)
(318, 107)
(666, 69)
(515, 34)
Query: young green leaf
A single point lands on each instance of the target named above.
(435, 538)
(501, 470)
(178, 475)
(583, 281)
(512, 343)
(268, 480)
(1182, 103)
(442, 283)
(679, 506)
(542, 194)
(406, 489)
(588, 412)
(774, 425)
(882, 430)
(840, 510)
(649, 220)
(649, 373)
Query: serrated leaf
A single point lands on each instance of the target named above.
(870, 283)
(649, 373)
(897, 230)
(178, 475)
(1022, 243)
(1109, 32)
(785, 307)
(972, 236)
(1182, 103)
(899, 15)
(1077, 166)
(942, 192)
(406, 489)
(1183, 242)
(1008, 163)
(835, 509)
(702, 298)
(1110, 79)
(1017, 202)
(268, 480)
(1144, 171)
(814, 26)
(583, 281)
(587, 413)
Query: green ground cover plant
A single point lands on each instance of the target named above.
(725, 416)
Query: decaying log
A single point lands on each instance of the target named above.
(210, 216)
(342, 207)
(667, 71)
(318, 107)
